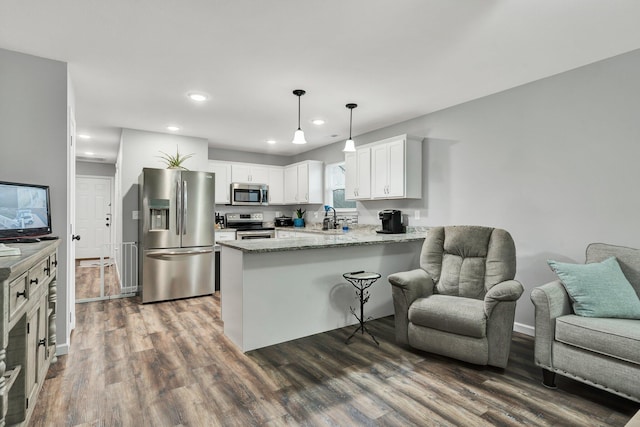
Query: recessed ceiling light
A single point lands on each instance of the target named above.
(317, 122)
(173, 128)
(271, 141)
(198, 96)
(84, 136)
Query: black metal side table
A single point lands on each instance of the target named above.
(361, 280)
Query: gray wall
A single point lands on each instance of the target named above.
(141, 149)
(554, 162)
(33, 134)
(95, 169)
(246, 157)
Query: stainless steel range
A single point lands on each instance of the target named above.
(249, 226)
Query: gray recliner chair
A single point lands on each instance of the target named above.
(461, 302)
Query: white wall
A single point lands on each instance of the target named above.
(33, 134)
(141, 149)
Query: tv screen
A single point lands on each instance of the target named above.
(24, 210)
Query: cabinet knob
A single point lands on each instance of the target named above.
(21, 294)
(55, 263)
(75, 237)
(47, 270)
(42, 342)
(34, 281)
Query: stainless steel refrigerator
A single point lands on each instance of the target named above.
(176, 233)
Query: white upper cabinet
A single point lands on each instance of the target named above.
(276, 185)
(303, 182)
(257, 174)
(222, 171)
(291, 184)
(294, 184)
(388, 169)
(358, 174)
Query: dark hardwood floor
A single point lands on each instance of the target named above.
(169, 364)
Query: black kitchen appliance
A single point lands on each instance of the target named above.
(391, 222)
(220, 220)
(284, 221)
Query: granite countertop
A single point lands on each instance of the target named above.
(323, 240)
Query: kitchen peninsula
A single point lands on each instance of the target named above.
(276, 290)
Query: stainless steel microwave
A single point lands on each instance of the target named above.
(243, 194)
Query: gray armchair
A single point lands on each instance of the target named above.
(461, 302)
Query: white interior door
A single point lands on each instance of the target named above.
(93, 215)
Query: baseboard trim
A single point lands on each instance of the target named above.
(62, 349)
(524, 329)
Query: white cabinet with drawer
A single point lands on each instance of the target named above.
(222, 235)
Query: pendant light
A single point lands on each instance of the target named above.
(349, 146)
(298, 136)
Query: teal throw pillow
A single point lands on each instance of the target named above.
(598, 289)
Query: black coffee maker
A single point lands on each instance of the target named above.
(391, 222)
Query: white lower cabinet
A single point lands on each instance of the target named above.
(293, 234)
(222, 235)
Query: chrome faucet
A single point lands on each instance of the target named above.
(327, 222)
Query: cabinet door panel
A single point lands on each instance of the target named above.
(276, 186)
(259, 174)
(350, 176)
(303, 183)
(396, 169)
(223, 179)
(240, 173)
(291, 184)
(364, 173)
(379, 161)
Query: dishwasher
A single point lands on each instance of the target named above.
(216, 249)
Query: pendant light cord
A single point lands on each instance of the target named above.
(299, 111)
(350, 120)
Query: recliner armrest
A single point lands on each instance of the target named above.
(406, 287)
(414, 283)
(509, 290)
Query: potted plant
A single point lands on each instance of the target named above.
(174, 162)
(298, 221)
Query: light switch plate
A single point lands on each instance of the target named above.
(417, 214)
(135, 214)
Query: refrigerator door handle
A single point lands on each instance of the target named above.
(178, 209)
(160, 254)
(184, 207)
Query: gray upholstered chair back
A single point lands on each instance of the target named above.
(467, 260)
(628, 258)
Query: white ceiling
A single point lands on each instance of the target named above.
(133, 62)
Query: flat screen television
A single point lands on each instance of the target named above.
(24, 210)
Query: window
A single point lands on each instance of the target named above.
(334, 188)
